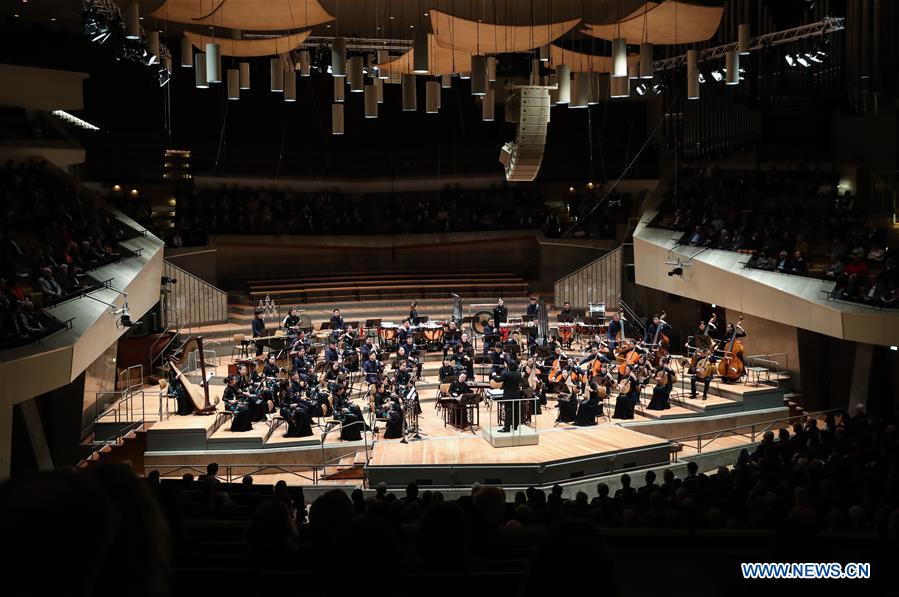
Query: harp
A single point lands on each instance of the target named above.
(199, 394)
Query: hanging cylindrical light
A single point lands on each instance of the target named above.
(339, 90)
(410, 101)
(595, 93)
(336, 119)
(214, 63)
(619, 87)
(743, 39)
(692, 76)
(200, 71)
(535, 71)
(564, 75)
(371, 101)
(383, 58)
(619, 57)
(491, 68)
(355, 75)
(187, 53)
(579, 90)
(244, 75)
(732, 67)
(544, 53)
(233, 84)
(488, 105)
(132, 21)
(379, 89)
(305, 63)
(633, 70)
(478, 74)
(277, 75)
(646, 60)
(446, 81)
(153, 45)
(338, 57)
(290, 85)
(432, 97)
(420, 52)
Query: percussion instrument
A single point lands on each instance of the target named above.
(565, 333)
(505, 329)
(479, 320)
(387, 333)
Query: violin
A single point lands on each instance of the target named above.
(732, 367)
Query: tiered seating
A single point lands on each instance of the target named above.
(365, 286)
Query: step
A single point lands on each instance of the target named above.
(675, 412)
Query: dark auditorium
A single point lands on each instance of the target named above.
(449, 298)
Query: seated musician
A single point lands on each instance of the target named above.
(236, 404)
(409, 345)
(301, 342)
(628, 395)
(402, 378)
(401, 357)
(348, 355)
(177, 391)
(302, 363)
(394, 428)
(589, 408)
(297, 410)
(465, 355)
(703, 371)
(247, 377)
(612, 332)
(353, 423)
(368, 348)
(339, 398)
(729, 334)
(380, 400)
(491, 335)
(458, 389)
(452, 338)
(271, 368)
(372, 368)
(532, 309)
(333, 373)
(347, 336)
(566, 312)
(657, 326)
(497, 359)
(331, 354)
(405, 331)
(291, 322)
(336, 321)
(258, 330)
(661, 393)
(593, 354)
(447, 372)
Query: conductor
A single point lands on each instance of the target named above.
(511, 380)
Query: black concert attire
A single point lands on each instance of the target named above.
(394, 427)
(372, 370)
(336, 323)
(413, 316)
(269, 370)
(661, 393)
(567, 404)
(353, 424)
(511, 391)
(724, 343)
(451, 343)
(365, 351)
(612, 333)
(402, 378)
(290, 322)
(705, 385)
(298, 412)
(500, 314)
(490, 335)
(447, 373)
(625, 403)
(532, 310)
(331, 355)
(237, 406)
(177, 390)
(258, 332)
(302, 365)
(590, 408)
(651, 332)
(458, 414)
(402, 334)
(498, 362)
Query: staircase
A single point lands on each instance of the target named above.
(350, 466)
(129, 449)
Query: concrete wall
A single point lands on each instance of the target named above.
(764, 336)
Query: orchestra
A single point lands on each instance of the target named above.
(321, 375)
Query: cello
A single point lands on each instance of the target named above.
(731, 366)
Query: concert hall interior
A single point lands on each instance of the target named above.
(495, 288)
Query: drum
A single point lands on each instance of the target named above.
(479, 320)
(433, 333)
(565, 333)
(387, 333)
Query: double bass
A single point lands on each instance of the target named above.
(660, 343)
(731, 366)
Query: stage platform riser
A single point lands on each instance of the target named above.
(298, 455)
(436, 476)
(679, 428)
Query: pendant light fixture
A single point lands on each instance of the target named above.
(410, 103)
(564, 75)
(132, 21)
(214, 63)
(187, 53)
(276, 75)
(371, 101)
(244, 76)
(732, 67)
(233, 84)
(692, 76)
(336, 119)
(200, 81)
(338, 57)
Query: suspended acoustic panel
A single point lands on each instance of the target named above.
(249, 48)
(483, 38)
(248, 15)
(586, 63)
(671, 22)
(529, 106)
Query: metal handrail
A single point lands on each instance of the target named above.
(178, 328)
(755, 431)
(632, 315)
(115, 410)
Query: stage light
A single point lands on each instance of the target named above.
(590, 185)
(789, 59)
(801, 60)
(244, 75)
(164, 74)
(116, 188)
(619, 57)
(570, 189)
(371, 101)
(701, 79)
(153, 47)
(714, 306)
(717, 75)
(478, 74)
(678, 271)
(641, 89)
(134, 193)
(95, 27)
(420, 52)
(564, 75)
(657, 88)
(894, 347)
(132, 21)
(813, 57)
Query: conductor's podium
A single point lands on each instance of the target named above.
(522, 427)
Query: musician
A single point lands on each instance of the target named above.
(593, 354)
(590, 408)
(236, 404)
(270, 369)
(394, 427)
(661, 393)
(447, 371)
(258, 330)
(404, 332)
(336, 320)
(451, 338)
(247, 377)
(533, 377)
(297, 411)
(334, 372)
(464, 356)
(302, 363)
(628, 396)
(177, 390)
(339, 398)
(353, 424)
(402, 377)
(511, 379)
(729, 335)
(568, 397)
(460, 386)
(566, 312)
(703, 372)
(380, 399)
(413, 313)
(615, 328)
(291, 321)
(490, 335)
(533, 307)
(331, 354)
(372, 368)
(497, 360)
(657, 326)
(301, 341)
(368, 348)
(500, 313)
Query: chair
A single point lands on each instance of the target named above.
(241, 348)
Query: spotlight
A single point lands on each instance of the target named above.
(894, 347)
(717, 75)
(641, 89)
(657, 88)
(164, 76)
(95, 27)
(701, 78)
(813, 57)
(801, 60)
(678, 271)
(789, 59)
